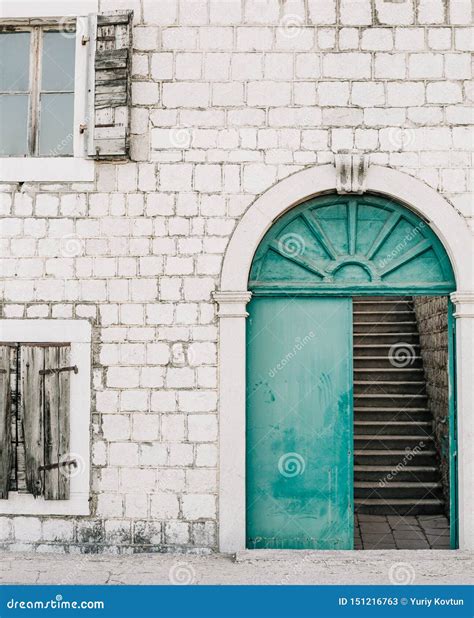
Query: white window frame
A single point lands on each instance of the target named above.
(58, 169)
(77, 333)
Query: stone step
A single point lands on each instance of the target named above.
(376, 374)
(423, 474)
(389, 339)
(394, 457)
(383, 306)
(417, 415)
(397, 489)
(395, 460)
(379, 316)
(383, 299)
(371, 348)
(389, 387)
(393, 410)
(403, 506)
(382, 328)
(387, 362)
(393, 428)
(386, 400)
(390, 442)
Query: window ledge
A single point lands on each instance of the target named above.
(26, 504)
(46, 169)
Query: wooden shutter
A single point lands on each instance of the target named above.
(5, 421)
(32, 362)
(111, 100)
(56, 422)
(45, 385)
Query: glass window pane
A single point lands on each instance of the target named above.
(58, 61)
(56, 125)
(14, 61)
(13, 124)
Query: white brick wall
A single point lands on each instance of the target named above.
(229, 97)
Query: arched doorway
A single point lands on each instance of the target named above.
(233, 296)
(303, 336)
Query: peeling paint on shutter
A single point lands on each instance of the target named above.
(56, 423)
(5, 421)
(32, 362)
(109, 138)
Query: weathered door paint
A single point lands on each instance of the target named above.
(299, 401)
(351, 245)
(299, 423)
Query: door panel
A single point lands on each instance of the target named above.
(299, 423)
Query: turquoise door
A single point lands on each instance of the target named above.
(299, 357)
(299, 423)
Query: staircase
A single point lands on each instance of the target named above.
(395, 461)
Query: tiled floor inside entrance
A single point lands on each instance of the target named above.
(401, 532)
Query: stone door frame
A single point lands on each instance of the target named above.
(453, 232)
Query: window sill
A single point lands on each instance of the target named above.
(46, 169)
(26, 504)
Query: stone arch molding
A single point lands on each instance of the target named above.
(454, 234)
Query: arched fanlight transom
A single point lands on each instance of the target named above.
(351, 244)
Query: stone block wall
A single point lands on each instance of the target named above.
(432, 318)
(228, 97)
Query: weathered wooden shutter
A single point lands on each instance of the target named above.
(56, 376)
(5, 421)
(46, 378)
(112, 55)
(32, 362)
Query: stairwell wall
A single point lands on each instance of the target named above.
(432, 318)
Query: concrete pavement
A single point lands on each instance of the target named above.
(248, 567)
